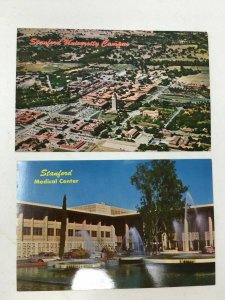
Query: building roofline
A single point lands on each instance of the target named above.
(202, 206)
(38, 204)
(79, 210)
(126, 214)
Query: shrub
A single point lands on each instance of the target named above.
(79, 253)
(107, 252)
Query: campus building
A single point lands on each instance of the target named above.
(39, 225)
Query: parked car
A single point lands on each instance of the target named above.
(44, 256)
(208, 250)
(68, 254)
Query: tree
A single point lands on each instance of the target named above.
(63, 229)
(161, 201)
(104, 134)
(118, 131)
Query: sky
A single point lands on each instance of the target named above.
(105, 181)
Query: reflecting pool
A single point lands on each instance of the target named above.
(109, 277)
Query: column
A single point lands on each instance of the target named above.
(127, 236)
(113, 236)
(32, 228)
(210, 223)
(45, 228)
(19, 233)
(99, 237)
(20, 227)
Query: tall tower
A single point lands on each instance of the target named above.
(114, 102)
(49, 83)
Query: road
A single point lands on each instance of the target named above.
(159, 91)
(179, 109)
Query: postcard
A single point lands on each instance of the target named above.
(112, 91)
(84, 225)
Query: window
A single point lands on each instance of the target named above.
(102, 234)
(70, 232)
(58, 232)
(50, 231)
(94, 233)
(107, 234)
(26, 230)
(37, 231)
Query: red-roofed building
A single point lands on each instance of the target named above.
(28, 117)
(96, 126)
(136, 97)
(175, 140)
(131, 133)
(154, 114)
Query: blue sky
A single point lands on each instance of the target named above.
(105, 181)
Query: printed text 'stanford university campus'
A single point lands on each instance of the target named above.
(103, 91)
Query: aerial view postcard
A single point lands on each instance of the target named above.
(112, 90)
(152, 228)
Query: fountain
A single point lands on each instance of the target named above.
(165, 269)
(178, 228)
(136, 247)
(80, 263)
(182, 229)
(89, 244)
(186, 260)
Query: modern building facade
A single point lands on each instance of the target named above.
(39, 225)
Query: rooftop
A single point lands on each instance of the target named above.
(95, 208)
(101, 208)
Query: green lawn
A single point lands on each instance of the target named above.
(108, 117)
(45, 67)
